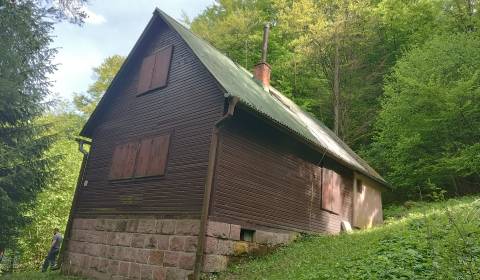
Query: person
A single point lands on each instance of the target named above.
(50, 260)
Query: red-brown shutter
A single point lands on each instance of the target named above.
(146, 72)
(162, 66)
(327, 189)
(123, 161)
(152, 156)
(331, 191)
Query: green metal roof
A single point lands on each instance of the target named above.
(238, 82)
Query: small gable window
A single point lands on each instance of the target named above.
(154, 70)
(331, 191)
(143, 158)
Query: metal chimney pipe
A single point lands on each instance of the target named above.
(266, 30)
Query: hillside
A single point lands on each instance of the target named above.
(424, 241)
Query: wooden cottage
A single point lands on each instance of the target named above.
(195, 161)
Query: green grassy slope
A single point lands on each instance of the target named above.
(38, 276)
(425, 241)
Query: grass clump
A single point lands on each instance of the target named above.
(34, 275)
(439, 240)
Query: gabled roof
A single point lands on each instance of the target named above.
(270, 103)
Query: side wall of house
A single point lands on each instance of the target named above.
(367, 202)
(266, 180)
(186, 108)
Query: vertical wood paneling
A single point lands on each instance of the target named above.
(146, 71)
(186, 109)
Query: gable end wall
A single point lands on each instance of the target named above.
(187, 109)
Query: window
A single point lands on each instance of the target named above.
(143, 158)
(154, 70)
(246, 234)
(359, 186)
(331, 191)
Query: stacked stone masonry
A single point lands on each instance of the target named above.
(157, 249)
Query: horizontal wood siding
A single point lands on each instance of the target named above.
(265, 178)
(186, 109)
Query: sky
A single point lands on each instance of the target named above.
(112, 27)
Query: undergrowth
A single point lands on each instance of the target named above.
(439, 240)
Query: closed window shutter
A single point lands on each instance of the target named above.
(152, 156)
(326, 190)
(331, 191)
(162, 66)
(146, 73)
(123, 161)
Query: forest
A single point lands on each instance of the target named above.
(397, 80)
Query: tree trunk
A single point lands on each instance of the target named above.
(336, 89)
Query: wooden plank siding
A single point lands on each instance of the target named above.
(265, 178)
(186, 109)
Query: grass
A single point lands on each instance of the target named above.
(438, 240)
(33, 275)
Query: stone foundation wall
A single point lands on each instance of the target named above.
(157, 248)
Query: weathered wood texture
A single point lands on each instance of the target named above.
(186, 109)
(264, 178)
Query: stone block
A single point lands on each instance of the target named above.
(219, 230)
(177, 243)
(103, 265)
(214, 263)
(264, 237)
(225, 247)
(94, 263)
(129, 254)
(142, 256)
(146, 226)
(85, 261)
(120, 225)
(191, 243)
(235, 232)
(119, 253)
(134, 272)
(111, 238)
(159, 273)
(111, 252)
(124, 239)
(187, 227)
(186, 260)
(146, 272)
(168, 227)
(123, 268)
(132, 225)
(171, 258)
(100, 224)
(77, 223)
(150, 242)
(112, 268)
(211, 245)
(163, 242)
(176, 274)
(89, 224)
(109, 224)
(138, 240)
(156, 257)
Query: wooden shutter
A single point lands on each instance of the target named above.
(123, 161)
(331, 191)
(152, 156)
(162, 66)
(146, 72)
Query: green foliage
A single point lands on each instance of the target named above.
(53, 204)
(104, 74)
(39, 276)
(429, 125)
(25, 62)
(426, 241)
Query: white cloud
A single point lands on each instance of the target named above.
(93, 18)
